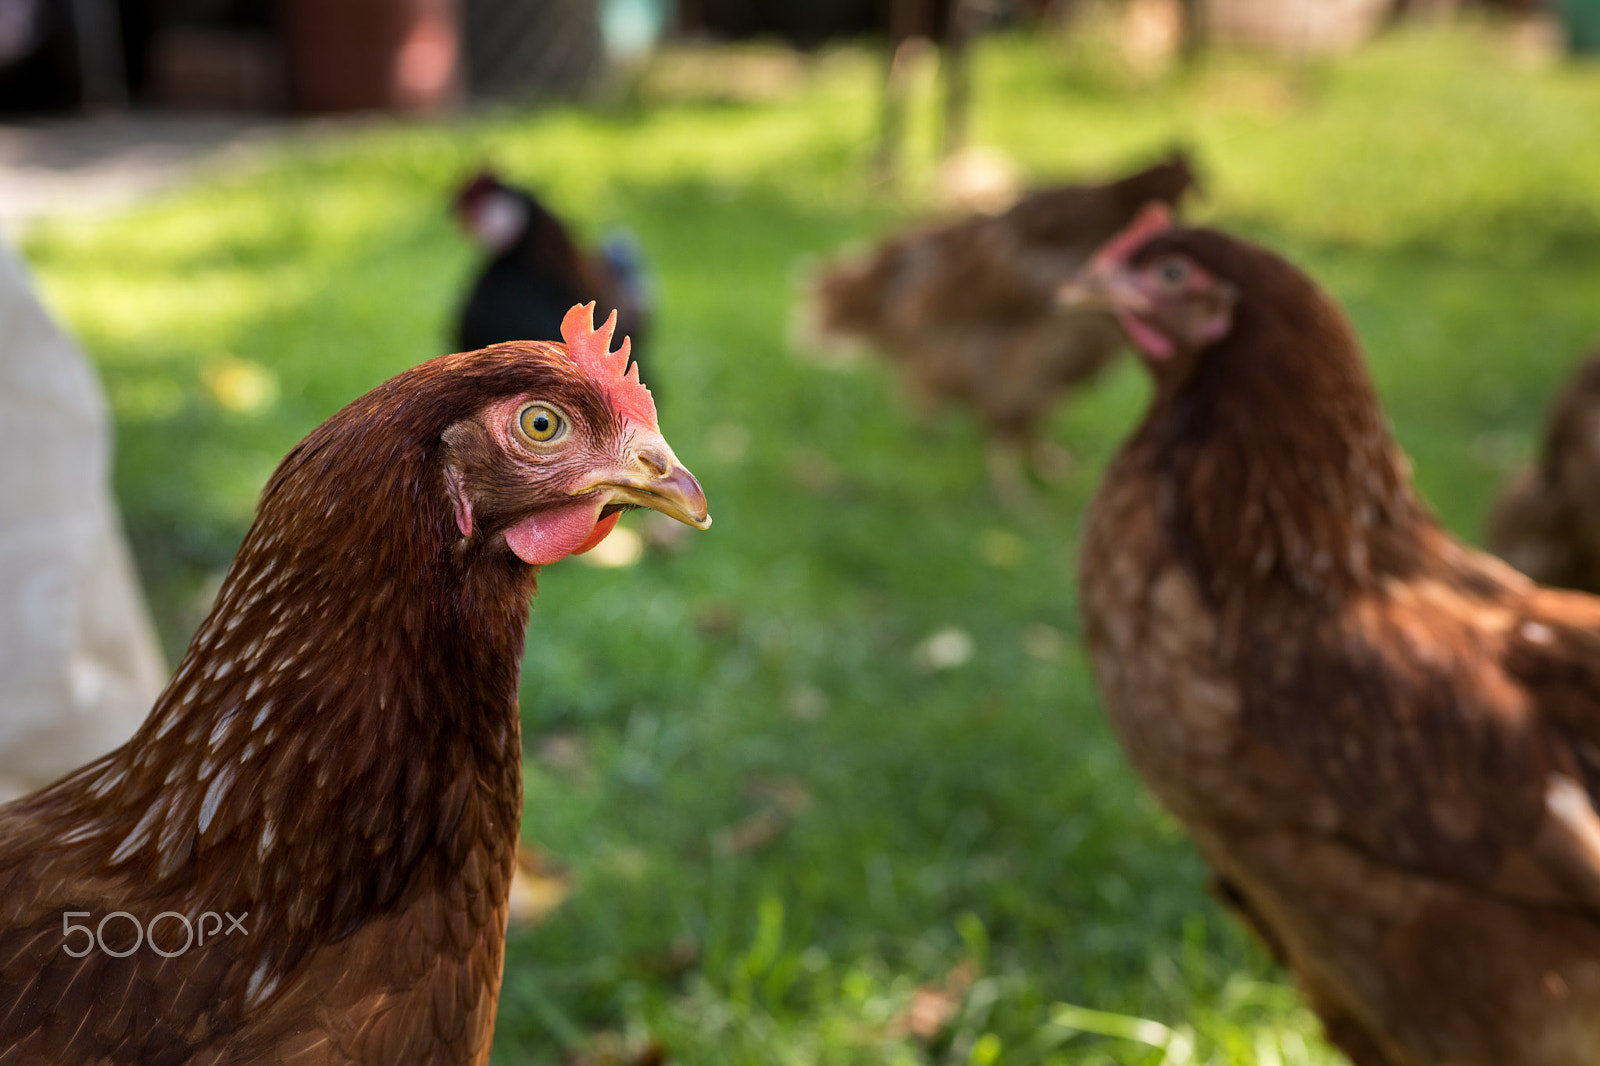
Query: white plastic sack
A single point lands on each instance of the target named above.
(79, 662)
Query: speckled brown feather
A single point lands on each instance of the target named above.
(1546, 521)
(337, 756)
(1386, 744)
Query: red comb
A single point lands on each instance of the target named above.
(590, 350)
(1153, 218)
(482, 183)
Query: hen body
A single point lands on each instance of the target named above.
(1546, 522)
(336, 763)
(968, 310)
(1386, 744)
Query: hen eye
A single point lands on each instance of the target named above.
(1173, 272)
(541, 424)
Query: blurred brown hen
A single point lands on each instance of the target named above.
(968, 310)
(1386, 744)
(303, 854)
(1546, 522)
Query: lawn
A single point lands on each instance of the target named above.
(794, 834)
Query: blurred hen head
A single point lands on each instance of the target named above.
(499, 217)
(491, 213)
(1156, 281)
(549, 468)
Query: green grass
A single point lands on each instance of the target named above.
(976, 822)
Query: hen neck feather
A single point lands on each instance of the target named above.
(345, 721)
(1277, 469)
(353, 591)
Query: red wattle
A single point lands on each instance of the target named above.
(602, 529)
(1149, 340)
(544, 537)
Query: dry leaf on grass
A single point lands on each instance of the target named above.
(813, 471)
(568, 752)
(934, 1006)
(675, 960)
(613, 1049)
(788, 794)
(750, 833)
(946, 649)
(1043, 642)
(717, 618)
(783, 799)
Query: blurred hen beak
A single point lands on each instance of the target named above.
(1103, 285)
(652, 477)
(1107, 283)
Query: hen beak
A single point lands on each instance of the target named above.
(1107, 283)
(652, 477)
(1103, 285)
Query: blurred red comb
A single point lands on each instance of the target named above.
(590, 350)
(482, 183)
(1153, 218)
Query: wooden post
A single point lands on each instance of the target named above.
(960, 27)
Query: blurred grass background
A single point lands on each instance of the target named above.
(795, 834)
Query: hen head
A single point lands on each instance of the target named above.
(521, 453)
(1259, 378)
(492, 213)
(588, 448)
(499, 217)
(1168, 303)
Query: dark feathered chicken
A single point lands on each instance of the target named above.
(1386, 744)
(1547, 520)
(303, 855)
(536, 271)
(968, 310)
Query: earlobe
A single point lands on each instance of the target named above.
(1218, 318)
(1214, 327)
(456, 484)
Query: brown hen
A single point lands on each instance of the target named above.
(303, 855)
(968, 310)
(1386, 744)
(1546, 522)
